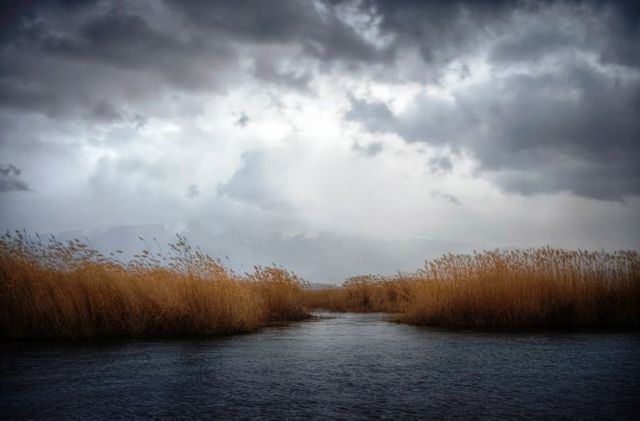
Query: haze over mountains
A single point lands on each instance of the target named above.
(323, 258)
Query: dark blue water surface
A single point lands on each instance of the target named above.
(351, 366)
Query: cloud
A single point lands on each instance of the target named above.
(445, 197)
(623, 34)
(371, 149)
(59, 58)
(127, 40)
(427, 119)
(253, 184)
(97, 52)
(193, 191)
(106, 112)
(573, 131)
(318, 28)
(242, 120)
(440, 30)
(374, 115)
(535, 44)
(550, 113)
(9, 179)
(128, 110)
(440, 164)
(268, 71)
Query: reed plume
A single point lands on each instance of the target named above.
(50, 289)
(543, 287)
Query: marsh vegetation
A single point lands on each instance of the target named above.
(68, 290)
(542, 287)
(51, 289)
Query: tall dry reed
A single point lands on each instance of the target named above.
(506, 289)
(53, 290)
(365, 293)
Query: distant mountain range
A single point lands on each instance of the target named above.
(323, 258)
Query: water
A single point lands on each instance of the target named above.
(351, 366)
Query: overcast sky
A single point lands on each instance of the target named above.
(495, 123)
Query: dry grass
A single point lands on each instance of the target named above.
(54, 290)
(504, 289)
(366, 293)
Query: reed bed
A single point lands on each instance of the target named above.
(531, 288)
(365, 293)
(50, 289)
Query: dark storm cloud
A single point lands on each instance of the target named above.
(624, 35)
(432, 25)
(532, 46)
(573, 131)
(49, 51)
(194, 43)
(127, 41)
(267, 71)
(200, 44)
(105, 111)
(57, 60)
(573, 127)
(314, 26)
(442, 30)
(427, 120)
(586, 143)
(10, 179)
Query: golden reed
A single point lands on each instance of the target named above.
(503, 289)
(53, 290)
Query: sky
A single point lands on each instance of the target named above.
(328, 136)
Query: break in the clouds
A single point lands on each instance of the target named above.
(486, 123)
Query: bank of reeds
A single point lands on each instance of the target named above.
(503, 289)
(365, 293)
(53, 290)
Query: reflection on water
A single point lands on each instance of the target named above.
(349, 366)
